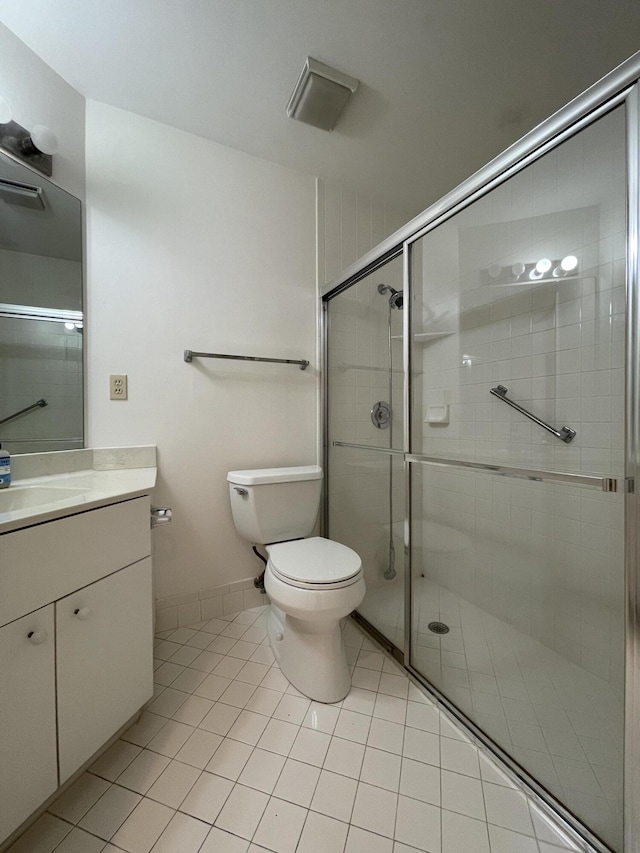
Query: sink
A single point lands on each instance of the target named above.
(24, 497)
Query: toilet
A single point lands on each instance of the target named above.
(312, 583)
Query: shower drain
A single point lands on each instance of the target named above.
(438, 627)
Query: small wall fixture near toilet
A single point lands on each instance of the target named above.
(312, 583)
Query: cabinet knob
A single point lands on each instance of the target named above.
(82, 613)
(37, 637)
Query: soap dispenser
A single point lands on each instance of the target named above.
(5, 469)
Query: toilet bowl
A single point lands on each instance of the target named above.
(312, 583)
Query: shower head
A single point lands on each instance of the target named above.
(396, 299)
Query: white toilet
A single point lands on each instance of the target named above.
(312, 583)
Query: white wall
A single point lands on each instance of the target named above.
(195, 246)
(39, 96)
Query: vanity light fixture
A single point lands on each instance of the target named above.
(35, 148)
(320, 95)
(541, 271)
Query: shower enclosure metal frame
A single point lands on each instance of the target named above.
(620, 86)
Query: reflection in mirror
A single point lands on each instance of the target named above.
(41, 317)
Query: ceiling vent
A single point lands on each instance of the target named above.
(320, 95)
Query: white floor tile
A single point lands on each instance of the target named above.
(193, 711)
(461, 834)
(144, 729)
(219, 841)
(221, 645)
(420, 781)
(334, 796)
(297, 782)
(229, 759)
(242, 812)
(212, 687)
(275, 680)
(462, 794)
(238, 694)
(344, 757)
(110, 812)
(352, 726)
(421, 746)
(394, 685)
(506, 841)
(322, 834)
(418, 825)
(249, 727)
(361, 701)
(170, 738)
(367, 679)
(423, 716)
(183, 834)
(207, 797)
(174, 784)
(278, 736)
(310, 746)
(252, 672)
(43, 836)
(143, 827)
(361, 841)
(375, 810)
(390, 708)
(242, 649)
(76, 801)
(79, 841)
(262, 770)
(189, 680)
(200, 748)
(143, 771)
(460, 757)
(292, 709)
(381, 769)
(321, 718)
(264, 701)
(386, 736)
(281, 826)
(220, 719)
(116, 759)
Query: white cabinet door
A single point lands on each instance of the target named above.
(105, 661)
(28, 766)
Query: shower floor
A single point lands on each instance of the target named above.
(560, 722)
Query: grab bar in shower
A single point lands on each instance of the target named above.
(39, 404)
(565, 434)
(189, 355)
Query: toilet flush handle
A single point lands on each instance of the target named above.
(241, 491)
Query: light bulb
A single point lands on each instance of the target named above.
(494, 270)
(5, 111)
(518, 269)
(558, 272)
(535, 273)
(44, 139)
(543, 265)
(70, 326)
(569, 263)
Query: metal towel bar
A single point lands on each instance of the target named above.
(189, 355)
(565, 434)
(569, 478)
(39, 404)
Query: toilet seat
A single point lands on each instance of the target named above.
(315, 563)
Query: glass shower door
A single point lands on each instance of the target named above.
(366, 483)
(517, 553)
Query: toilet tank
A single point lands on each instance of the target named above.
(275, 504)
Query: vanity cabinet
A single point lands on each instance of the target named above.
(105, 663)
(28, 769)
(79, 664)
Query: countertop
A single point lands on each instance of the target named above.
(89, 488)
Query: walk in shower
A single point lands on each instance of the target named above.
(481, 443)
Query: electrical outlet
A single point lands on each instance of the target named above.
(118, 386)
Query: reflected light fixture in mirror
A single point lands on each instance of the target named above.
(36, 149)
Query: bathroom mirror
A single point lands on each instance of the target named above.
(41, 313)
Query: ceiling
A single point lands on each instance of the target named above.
(445, 84)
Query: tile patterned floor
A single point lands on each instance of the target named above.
(564, 724)
(229, 758)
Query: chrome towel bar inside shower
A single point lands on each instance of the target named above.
(189, 355)
(565, 434)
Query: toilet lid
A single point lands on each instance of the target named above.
(314, 560)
